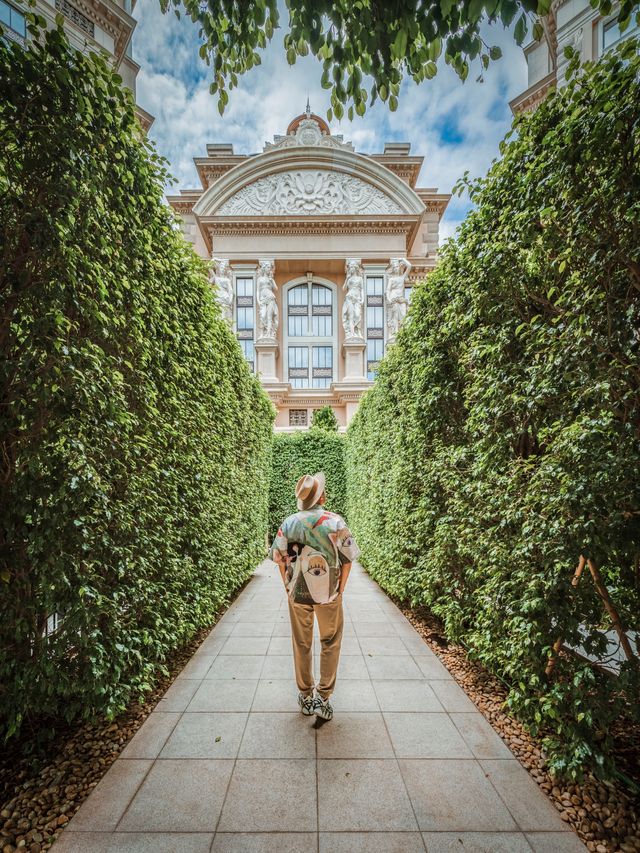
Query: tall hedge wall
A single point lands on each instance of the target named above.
(305, 452)
(501, 440)
(135, 441)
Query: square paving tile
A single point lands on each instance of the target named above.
(281, 735)
(451, 696)
(481, 737)
(253, 629)
(282, 629)
(81, 842)
(103, 808)
(177, 696)
(526, 802)
(151, 736)
(454, 795)
(238, 645)
(475, 842)
(350, 667)
(375, 629)
(197, 667)
(425, 736)
(281, 646)
(362, 795)
(210, 646)
(278, 666)
(157, 842)
(271, 795)
(371, 842)
(415, 644)
(277, 694)
(383, 646)
(179, 795)
(354, 695)
(206, 735)
(267, 842)
(391, 667)
(406, 695)
(354, 735)
(431, 667)
(223, 694)
(405, 629)
(236, 666)
(555, 842)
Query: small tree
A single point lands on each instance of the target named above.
(325, 418)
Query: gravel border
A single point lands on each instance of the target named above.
(605, 815)
(42, 800)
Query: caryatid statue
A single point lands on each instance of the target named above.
(220, 277)
(397, 303)
(353, 300)
(267, 304)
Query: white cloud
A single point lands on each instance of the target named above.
(456, 126)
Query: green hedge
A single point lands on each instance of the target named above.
(135, 441)
(305, 452)
(500, 441)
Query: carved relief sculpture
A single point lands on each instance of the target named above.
(220, 278)
(267, 304)
(353, 300)
(308, 192)
(397, 304)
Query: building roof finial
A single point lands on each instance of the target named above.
(308, 108)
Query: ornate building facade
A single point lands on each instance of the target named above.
(313, 251)
(97, 25)
(570, 23)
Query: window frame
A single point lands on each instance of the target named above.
(311, 341)
(244, 339)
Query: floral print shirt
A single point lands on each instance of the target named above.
(314, 545)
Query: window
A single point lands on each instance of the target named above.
(245, 319)
(297, 417)
(310, 322)
(13, 23)
(611, 34)
(375, 323)
(322, 372)
(299, 367)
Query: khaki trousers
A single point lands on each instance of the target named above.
(330, 623)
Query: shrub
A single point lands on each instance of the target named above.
(305, 452)
(325, 418)
(501, 440)
(135, 441)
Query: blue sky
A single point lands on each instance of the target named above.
(456, 126)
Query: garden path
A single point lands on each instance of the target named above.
(227, 763)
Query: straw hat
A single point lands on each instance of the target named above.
(309, 489)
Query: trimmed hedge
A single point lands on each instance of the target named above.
(305, 452)
(135, 441)
(500, 441)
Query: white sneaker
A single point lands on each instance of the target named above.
(306, 703)
(322, 708)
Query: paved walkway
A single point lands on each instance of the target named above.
(226, 762)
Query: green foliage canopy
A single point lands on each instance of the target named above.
(325, 418)
(134, 440)
(362, 43)
(501, 440)
(305, 452)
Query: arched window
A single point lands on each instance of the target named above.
(310, 321)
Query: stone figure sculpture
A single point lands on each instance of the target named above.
(220, 277)
(353, 300)
(267, 304)
(397, 303)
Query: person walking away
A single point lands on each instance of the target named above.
(314, 550)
